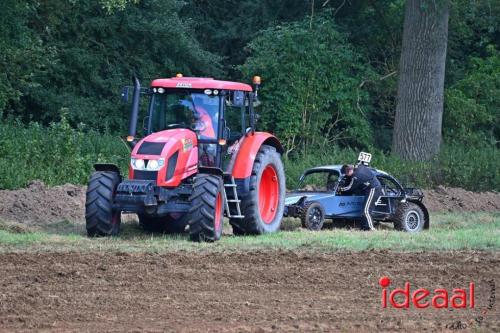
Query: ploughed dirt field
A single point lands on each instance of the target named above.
(234, 291)
(239, 292)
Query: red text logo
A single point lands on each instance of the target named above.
(421, 298)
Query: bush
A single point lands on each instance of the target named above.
(59, 154)
(56, 154)
(311, 90)
(456, 165)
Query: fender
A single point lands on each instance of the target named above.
(107, 167)
(248, 150)
(424, 209)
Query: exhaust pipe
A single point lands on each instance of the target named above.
(134, 112)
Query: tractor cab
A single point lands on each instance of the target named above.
(200, 159)
(220, 113)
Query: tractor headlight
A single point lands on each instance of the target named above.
(149, 165)
(137, 164)
(155, 165)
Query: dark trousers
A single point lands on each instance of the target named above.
(371, 196)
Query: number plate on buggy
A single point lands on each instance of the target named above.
(364, 157)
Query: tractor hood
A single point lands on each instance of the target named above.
(293, 197)
(174, 154)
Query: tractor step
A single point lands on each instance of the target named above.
(234, 201)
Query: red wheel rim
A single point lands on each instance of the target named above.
(269, 192)
(218, 212)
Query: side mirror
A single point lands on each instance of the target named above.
(125, 93)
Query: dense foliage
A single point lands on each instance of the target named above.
(56, 154)
(312, 96)
(329, 70)
(59, 154)
(88, 54)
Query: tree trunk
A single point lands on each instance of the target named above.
(419, 109)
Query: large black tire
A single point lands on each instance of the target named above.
(313, 216)
(164, 224)
(100, 218)
(409, 217)
(254, 223)
(206, 215)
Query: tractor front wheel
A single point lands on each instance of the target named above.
(263, 206)
(205, 217)
(100, 217)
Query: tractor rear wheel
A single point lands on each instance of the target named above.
(205, 217)
(100, 217)
(263, 206)
(164, 224)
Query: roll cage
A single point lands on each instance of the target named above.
(389, 183)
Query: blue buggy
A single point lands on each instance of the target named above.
(317, 198)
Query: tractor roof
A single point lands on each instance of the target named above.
(199, 83)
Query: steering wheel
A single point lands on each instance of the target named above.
(330, 185)
(198, 126)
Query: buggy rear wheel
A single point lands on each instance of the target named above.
(409, 217)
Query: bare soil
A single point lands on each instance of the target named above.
(237, 292)
(454, 199)
(39, 204)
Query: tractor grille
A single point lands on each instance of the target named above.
(145, 175)
(151, 148)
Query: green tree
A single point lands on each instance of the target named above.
(310, 92)
(96, 51)
(22, 53)
(472, 106)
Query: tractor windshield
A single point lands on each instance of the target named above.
(185, 109)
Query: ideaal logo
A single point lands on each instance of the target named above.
(422, 298)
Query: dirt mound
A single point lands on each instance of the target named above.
(39, 204)
(459, 200)
(272, 291)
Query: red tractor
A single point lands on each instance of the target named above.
(200, 160)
